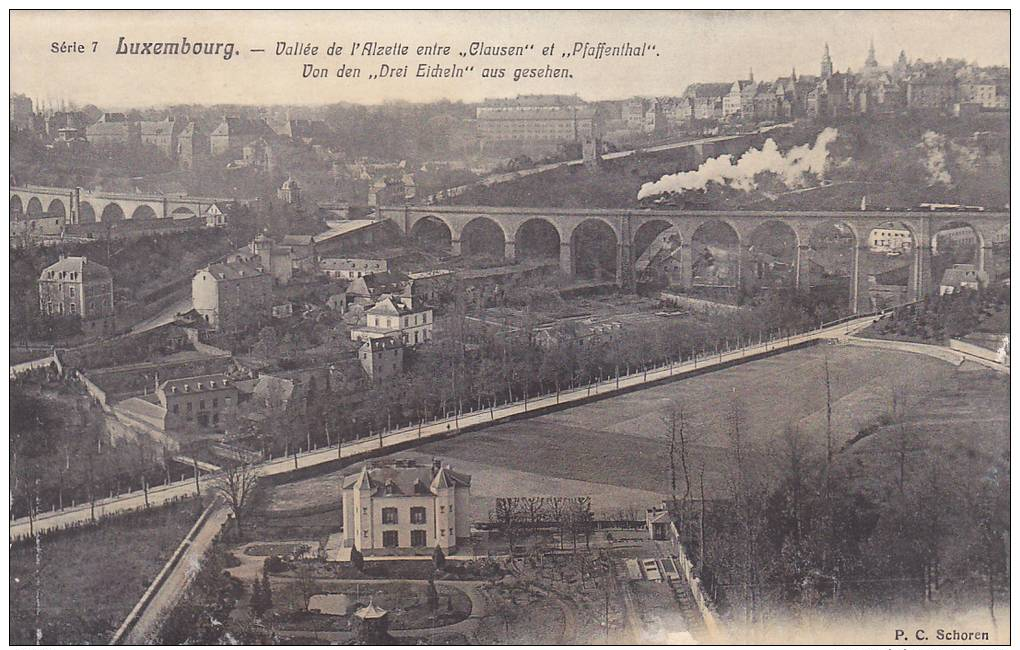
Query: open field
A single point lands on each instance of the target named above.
(616, 450)
(92, 578)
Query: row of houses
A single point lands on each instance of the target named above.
(940, 86)
(178, 138)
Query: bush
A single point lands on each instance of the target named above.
(275, 564)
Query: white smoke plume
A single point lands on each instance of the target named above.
(933, 147)
(790, 167)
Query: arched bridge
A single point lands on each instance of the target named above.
(575, 235)
(79, 206)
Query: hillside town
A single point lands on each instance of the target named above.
(493, 372)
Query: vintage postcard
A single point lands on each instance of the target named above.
(509, 327)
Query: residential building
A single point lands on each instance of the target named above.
(368, 289)
(382, 358)
(113, 130)
(890, 239)
(962, 276)
(162, 135)
(350, 268)
(192, 146)
(633, 113)
(233, 133)
(404, 507)
(217, 215)
(707, 99)
(74, 286)
(232, 296)
(204, 403)
(395, 318)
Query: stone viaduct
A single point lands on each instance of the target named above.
(632, 231)
(79, 206)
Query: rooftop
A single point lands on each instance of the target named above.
(405, 477)
(85, 270)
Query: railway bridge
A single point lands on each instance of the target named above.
(77, 206)
(625, 237)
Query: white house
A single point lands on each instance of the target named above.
(405, 507)
(396, 318)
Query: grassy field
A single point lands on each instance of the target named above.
(621, 443)
(616, 450)
(91, 579)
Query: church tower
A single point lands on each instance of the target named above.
(826, 63)
(871, 61)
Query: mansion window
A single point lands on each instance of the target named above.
(389, 515)
(417, 517)
(418, 538)
(390, 538)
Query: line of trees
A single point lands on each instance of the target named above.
(515, 516)
(900, 521)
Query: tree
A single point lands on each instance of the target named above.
(438, 558)
(236, 485)
(258, 598)
(674, 420)
(267, 591)
(357, 559)
(268, 344)
(507, 515)
(306, 583)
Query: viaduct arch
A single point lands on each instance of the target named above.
(640, 234)
(80, 206)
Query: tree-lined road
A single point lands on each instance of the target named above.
(80, 514)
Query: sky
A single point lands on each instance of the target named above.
(690, 46)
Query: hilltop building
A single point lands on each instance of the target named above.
(534, 124)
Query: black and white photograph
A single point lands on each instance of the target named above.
(509, 327)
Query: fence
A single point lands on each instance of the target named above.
(136, 612)
(993, 356)
(407, 436)
(705, 606)
(95, 391)
(28, 366)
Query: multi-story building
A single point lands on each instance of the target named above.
(535, 123)
(205, 403)
(113, 130)
(382, 358)
(707, 99)
(888, 240)
(232, 296)
(233, 133)
(396, 318)
(74, 286)
(405, 507)
(633, 113)
(161, 134)
(21, 112)
(192, 145)
(959, 236)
